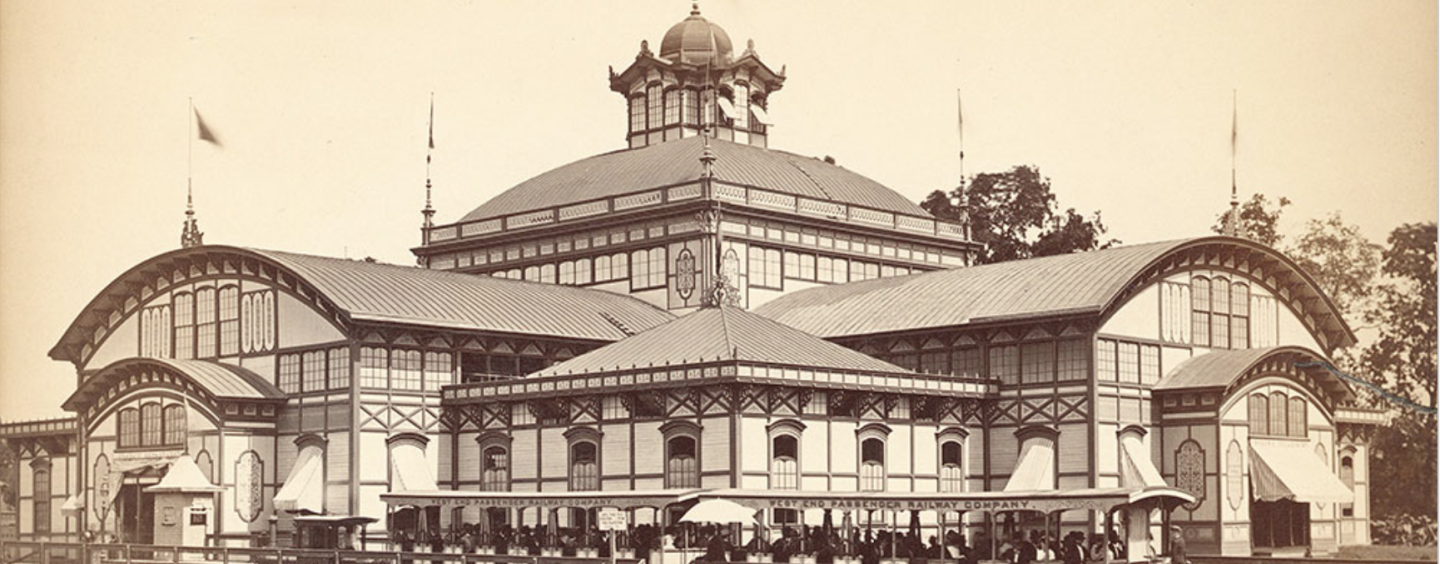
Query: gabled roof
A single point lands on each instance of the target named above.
(678, 162)
(410, 295)
(727, 334)
(1092, 283)
(353, 290)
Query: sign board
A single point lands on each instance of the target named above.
(610, 519)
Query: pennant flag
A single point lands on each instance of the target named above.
(432, 121)
(1234, 123)
(205, 133)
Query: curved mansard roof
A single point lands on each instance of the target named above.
(357, 291)
(225, 381)
(1225, 370)
(1092, 283)
(678, 162)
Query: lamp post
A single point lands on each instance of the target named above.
(274, 539)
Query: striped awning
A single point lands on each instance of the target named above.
(1281, 469)
(304, 489)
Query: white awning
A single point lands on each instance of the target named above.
(184, 477)
(726, 107)
(1036, 469)
(73, 506)
(304, 488)
(1136, 469)
(410, 472)
(760, 114)
(1290, 470)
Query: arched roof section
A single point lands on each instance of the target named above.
(1090, 284)
(678, 162)
(351, 291)
(208, 384)
(1230, 371)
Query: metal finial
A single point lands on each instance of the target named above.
(694, 8)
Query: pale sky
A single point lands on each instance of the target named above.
(321, 107)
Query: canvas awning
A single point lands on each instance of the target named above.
(760, 114)
(409, 469)
(1136, 469)
(304, 488)
(727, 108)
(184, 477)
(73, 506)
(1036, 469)
(1281, 469)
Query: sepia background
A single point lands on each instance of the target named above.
(321, 108)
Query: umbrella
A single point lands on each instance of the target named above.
(718, 511)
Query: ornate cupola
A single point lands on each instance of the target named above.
(696, 83)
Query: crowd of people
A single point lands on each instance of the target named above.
(826, 545)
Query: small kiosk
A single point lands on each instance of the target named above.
(184, 505)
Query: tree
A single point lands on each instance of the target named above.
(1258, 220)
(1341, 260)
(1015, 215)
(1403, 359)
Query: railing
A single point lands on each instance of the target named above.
(14, 552)
(1204, 559)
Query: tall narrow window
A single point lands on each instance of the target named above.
(314, 371)
(1128, 360)
(405, 370)
(229, 321)
(582, 272)
(1278, 412)
(1239, 316)
(1297, 424)
(567, 273)
(1259, 415)
(373, 368)
(640, 269)
(681, 467)
(951, 478)
(437, 370)
(1149, 364)
(1073, 360)
(175, 425)
(495, 476)
(657, 106)
(1347, 475)
(151, 425)
(184, 325)
(672, 106)
(1005, 364)
(1220, 319)
(41, 493)
(1200, 310)
(547, 273)
(637, 114)
(967, 362)
(584, 467)
(1105, 369)
(339, 369)
(1038, 362)
(872, 465)
(657, 268)
(784, 462)
(205, 323)
(289, 373)
(129, 434)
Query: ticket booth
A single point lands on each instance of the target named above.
(184, 505)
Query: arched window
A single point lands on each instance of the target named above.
(1239, 316)
(872, 465)
(1277, 414)
(229, 320)
(1220, 319)
(682, 470)
(150, 425)
(184, 325)
(205, 323)
(584, 466)
(1298, 426)
(785, 462)
(129, 427)
(1259, 414)
(1200, 310)
(495, 472)
(1347, 475)
(175, 425)
(951, 477)
(41, 494)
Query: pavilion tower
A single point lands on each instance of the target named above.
(696, 80)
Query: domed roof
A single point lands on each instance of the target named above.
(696, 41)
(678, 162)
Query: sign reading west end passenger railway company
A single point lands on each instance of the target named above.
(1012, 504)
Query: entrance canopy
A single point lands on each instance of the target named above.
(1045, 501)
(1290, 470)
(304, 489)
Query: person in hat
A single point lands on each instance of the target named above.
(1177, 546)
